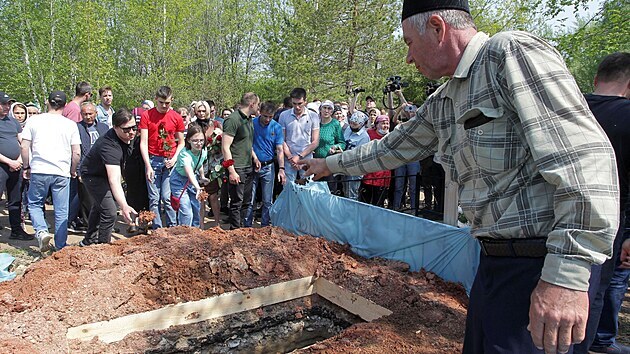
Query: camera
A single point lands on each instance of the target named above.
(357, 90)
(411, 108)
(394, 83)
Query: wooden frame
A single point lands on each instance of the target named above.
(226, 304)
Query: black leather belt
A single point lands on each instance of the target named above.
(263, 164)
(525, 247)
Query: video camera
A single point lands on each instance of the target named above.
(394, 83)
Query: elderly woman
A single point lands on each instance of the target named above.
(331, 140)
(375, 185)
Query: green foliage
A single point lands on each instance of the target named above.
(220, 49)
(595, 38)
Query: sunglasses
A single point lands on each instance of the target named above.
(128, 129)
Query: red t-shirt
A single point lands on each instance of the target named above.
(72, 111)
(162, 128)
(380, 178)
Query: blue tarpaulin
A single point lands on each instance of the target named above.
(5, 261)
(450, 252)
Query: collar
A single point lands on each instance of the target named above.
(470, 54)
(305, 113)
(243, 115)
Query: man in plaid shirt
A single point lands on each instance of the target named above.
(537, 175)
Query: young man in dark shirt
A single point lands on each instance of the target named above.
(101, 173)
(610, 105)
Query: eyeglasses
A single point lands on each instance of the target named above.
(197, 141)
(128, 129)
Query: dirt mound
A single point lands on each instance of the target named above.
(84, 285)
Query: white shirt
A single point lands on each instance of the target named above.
(52, 137)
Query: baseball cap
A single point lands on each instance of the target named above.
(58, 97)
(4, 98)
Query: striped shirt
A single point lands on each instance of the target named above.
(513, 130)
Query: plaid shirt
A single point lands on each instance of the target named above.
(512, 128)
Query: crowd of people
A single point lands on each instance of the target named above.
(540, 170)
(90, 160)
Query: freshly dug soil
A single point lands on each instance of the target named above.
(83, 285)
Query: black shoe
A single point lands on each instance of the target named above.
(116, 230)
(82, 243)
(132, 229)
(77, 229)
(21, 235)
(614, 349)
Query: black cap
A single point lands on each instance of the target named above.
(57, 97)
(412, 7)
(4, 98)
(370, 98)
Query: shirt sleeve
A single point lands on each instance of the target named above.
(144, 120)
(111, 154)
(279, 134)
(26, 132)
(75, 138)
(179, 122)
(572, 153)
(230, 126)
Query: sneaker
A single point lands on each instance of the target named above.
(613, 349)
(83, 244)
(77, 229)
(22, 235)
(43, 240)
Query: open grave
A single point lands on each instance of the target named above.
(184, 290)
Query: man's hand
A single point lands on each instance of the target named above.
(316, 167)
(282, 178)
(294, 161)
(235, 178)
(129, 214)
(14, 165)
(26, 174)
(73, 174)
(257, 165)
(150, 173)
(557, 317)
(625, 254)
(170, 162)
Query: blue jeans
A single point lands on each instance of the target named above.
(608, 321)
(37, 192)
(351, 187)
(410, 170)
(160, 189)
(263, 178)
(188, 214)
(291, 173)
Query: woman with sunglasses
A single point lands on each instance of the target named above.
(187, 176)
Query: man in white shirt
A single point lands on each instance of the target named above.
(51, 148)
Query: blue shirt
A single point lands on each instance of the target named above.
(266, 139)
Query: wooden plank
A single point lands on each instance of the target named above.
(193, 312)
(349, 301)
